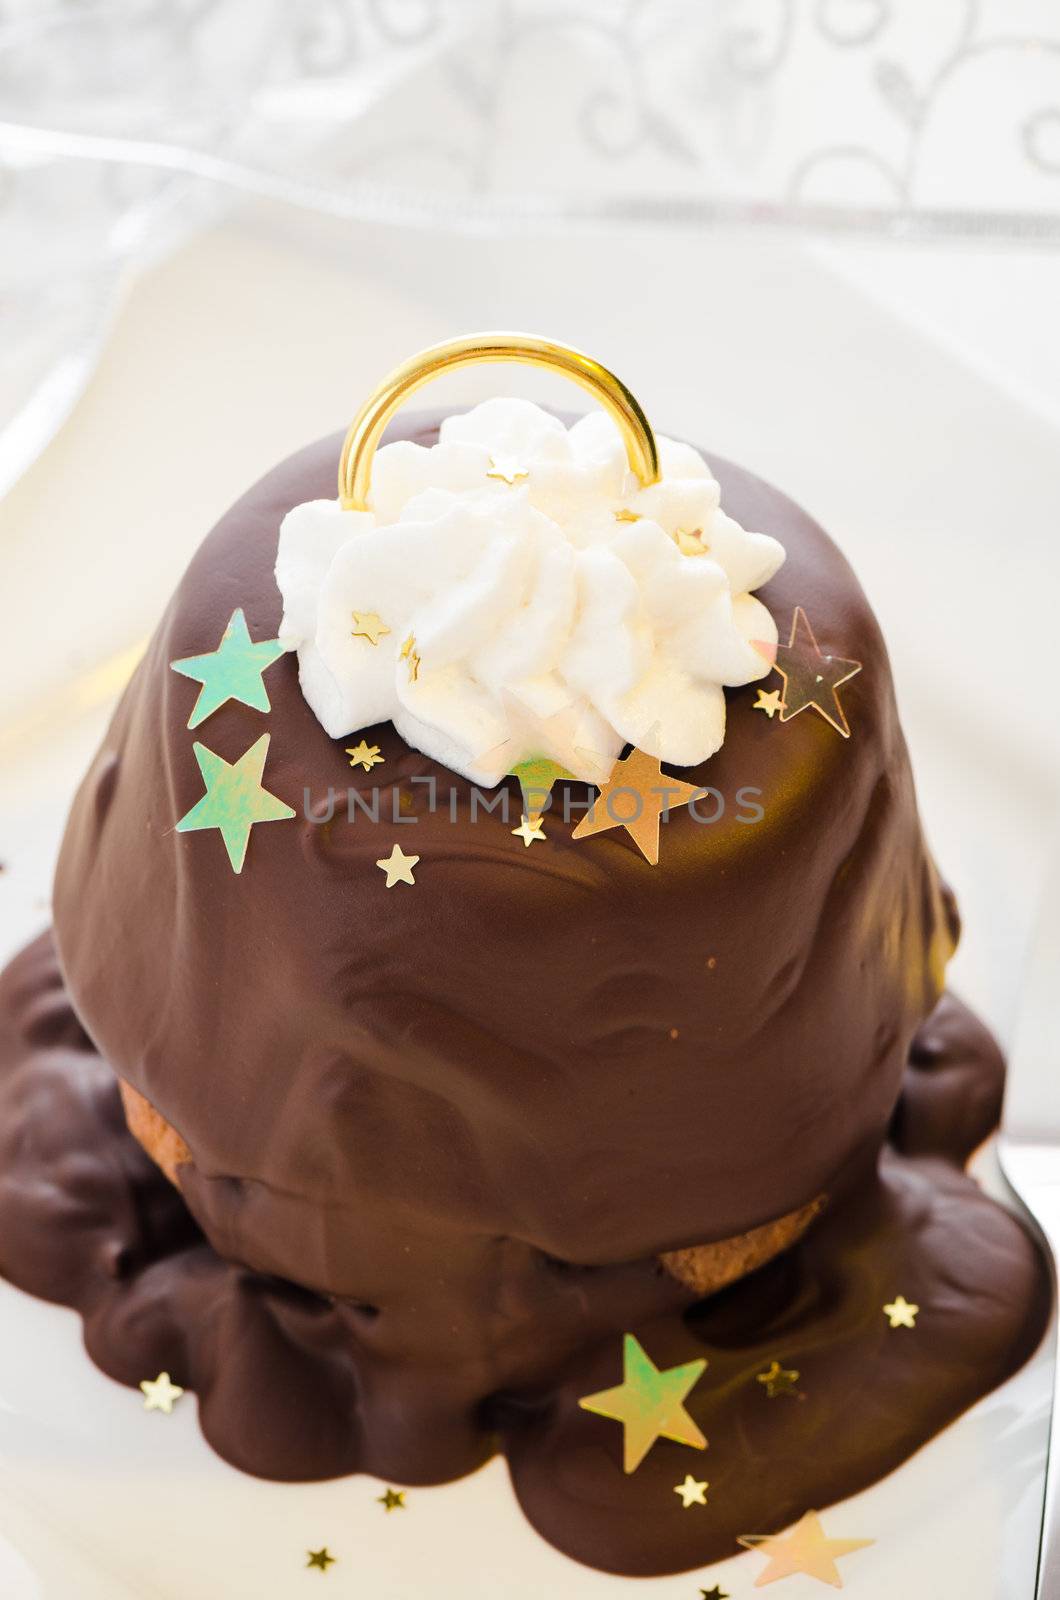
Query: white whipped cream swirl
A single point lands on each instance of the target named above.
(545, 621)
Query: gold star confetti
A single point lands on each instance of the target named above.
(364, 755)
(234, 800)
(712, 1594)
(529, 829)
(812, 678)
(649, 1403)
(692, 1492)
(776, 1380)
(409, 654)
(900, 1314)
(507, 469)
(639, 790)
(160, 1394)
(320, 1559)
(769, 701)
(805, 1549)
(690, 542)
(231, 672)
(393, 1500)
(369, 625)
(398, 867)
(624, 514)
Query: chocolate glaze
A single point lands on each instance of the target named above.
(441, 1136)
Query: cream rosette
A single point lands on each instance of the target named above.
(537, 600)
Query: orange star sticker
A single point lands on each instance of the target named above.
(805, 1549)
(635, 797)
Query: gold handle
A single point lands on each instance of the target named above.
(366, 429)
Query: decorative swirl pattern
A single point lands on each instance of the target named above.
(326, 40)
(1041, 139)
(669, 91)
(406, 21)
(852, 23)
(754, 50)
(926, 122)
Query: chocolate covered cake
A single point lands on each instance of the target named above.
(497, 998)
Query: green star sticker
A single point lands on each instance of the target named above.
(537, 778)
(649, 1403)
(234, 799)
(232, 671)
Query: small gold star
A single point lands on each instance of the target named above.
(639, 779)
(649, 1403)
(690, 542)
(160, 1394)
(529, 829)
(900, 1314)
(320, 1559)
(805, 1549)
(364, 755)
(507, 469)
(692, 1492)
(776, 1380)
(409, 654)
(398, 867)
(369, 625)
(769, 701)
(393, 1500)
(626, 515)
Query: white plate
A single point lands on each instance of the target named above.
(99, 1498)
